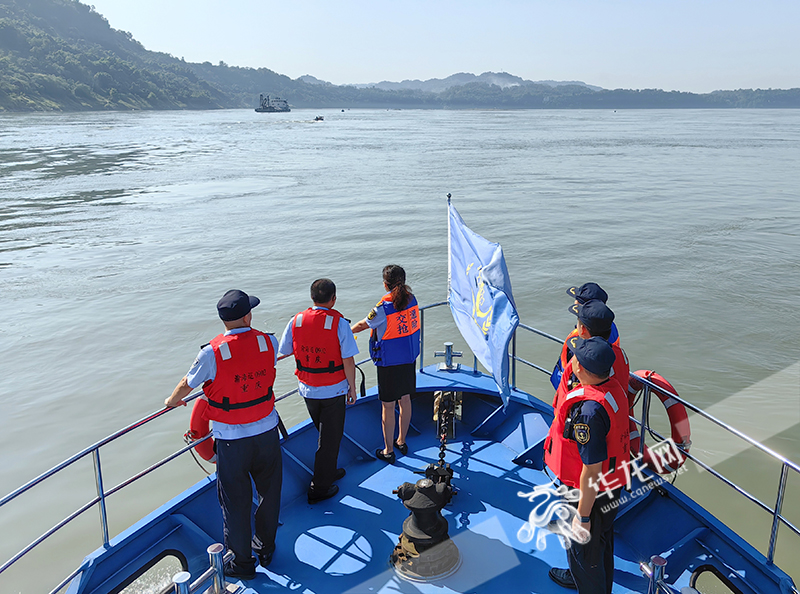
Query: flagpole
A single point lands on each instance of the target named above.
(449, 252)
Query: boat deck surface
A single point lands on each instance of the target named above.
(343, 544)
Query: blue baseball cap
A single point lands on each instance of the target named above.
(587, 292)
(235, 304)
(595, 315)
(594, 354)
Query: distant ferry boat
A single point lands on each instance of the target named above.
(265, 104)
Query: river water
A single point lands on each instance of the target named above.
(119, 232)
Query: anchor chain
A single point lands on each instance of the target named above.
(444, 412)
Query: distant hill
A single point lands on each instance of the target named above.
(61, 55)
(312, 80)
(438, 85)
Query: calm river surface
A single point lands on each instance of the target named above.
(119, 232)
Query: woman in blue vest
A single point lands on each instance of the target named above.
(394, 347)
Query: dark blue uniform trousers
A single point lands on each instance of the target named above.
(327, 414)
(238, 461)
(592, 564)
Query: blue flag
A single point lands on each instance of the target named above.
(480, 298)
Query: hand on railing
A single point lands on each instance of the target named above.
(181, 391)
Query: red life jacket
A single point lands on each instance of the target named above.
(241, 391)
(563, 385)
(317, 352)
(565, 349)
(561, 453)
(558, 370)
(565, 346)
(620, 371)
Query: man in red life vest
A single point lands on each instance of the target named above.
(588, 449)
(237, 370)
(586, 292)
(595, 318)
(324, 349)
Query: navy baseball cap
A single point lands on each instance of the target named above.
(594, 354)
(595, 315)
(235, 304)
(587, 292)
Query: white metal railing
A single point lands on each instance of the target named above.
(103, 494)
(786, 464)
(649, 387)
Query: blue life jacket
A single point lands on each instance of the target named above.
(399, 343)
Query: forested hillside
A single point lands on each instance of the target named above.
(61, 55)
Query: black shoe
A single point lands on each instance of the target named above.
(232, 570)
(402, 448)
(390, 458)
(264, 560)
(315, 496)
(563, 577)
(340, 472)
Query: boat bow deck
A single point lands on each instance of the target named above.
(343, 544)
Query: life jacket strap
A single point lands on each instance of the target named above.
(331, 368)
(227, 406)
(362, 387)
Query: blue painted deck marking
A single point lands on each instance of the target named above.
(343, 544)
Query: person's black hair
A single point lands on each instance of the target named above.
(395, 278)
(603, 335)
(322, 290)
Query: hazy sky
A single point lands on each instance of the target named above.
(685, 45)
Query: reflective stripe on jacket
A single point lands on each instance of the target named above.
(561, 453)
(241, 391)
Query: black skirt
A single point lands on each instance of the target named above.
(395, 381)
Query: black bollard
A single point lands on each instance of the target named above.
(425, 551)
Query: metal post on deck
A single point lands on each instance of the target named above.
(98, 476)
(645, 414)
(654, 572)
(421, 338)
(181, 582)
(514, 361)
(773, 537)
(216, 563)
(659, 565)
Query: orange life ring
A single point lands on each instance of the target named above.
(198, 429)
(678, 420)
